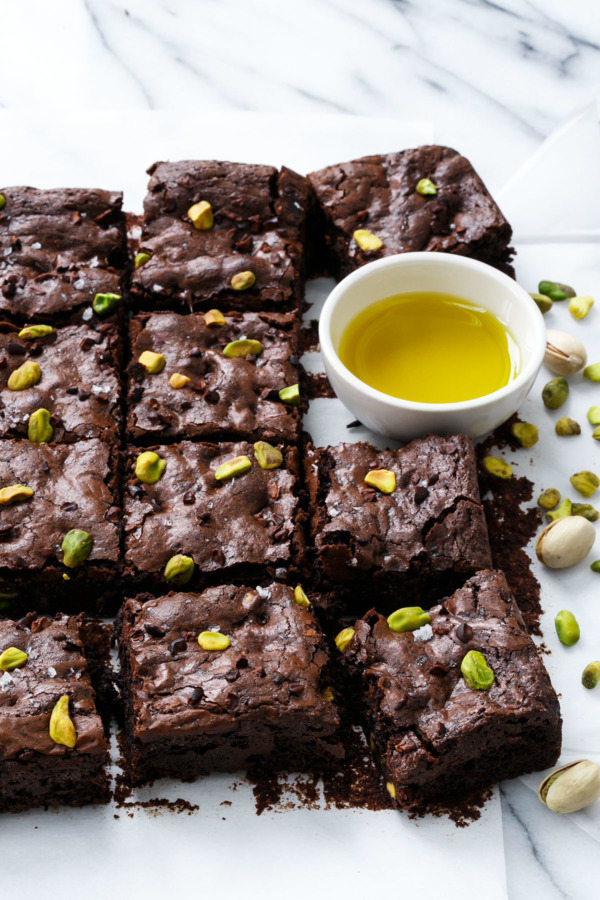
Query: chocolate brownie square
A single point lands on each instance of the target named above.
(59, 249)
(436, 733)
(258, 696)
(382, 195)
(256, 223)
(225, 396)
(428, 533)
(46, 491)
(36, 767)
(241, 527)
(76, 382)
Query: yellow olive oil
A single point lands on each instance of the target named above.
(430, 348)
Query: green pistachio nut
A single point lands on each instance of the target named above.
(408, 618)
(590, 677)
(592, 373)
(242, 349)
(149, 467)
(367, 241)
(267, 457)
(585, 483)
(549, 499)
(543, 302)
(2, 201)
(344, 639)
(567, 628)
(526, 433)
(300, 597)
(566, 427)
(76, 546)
(33, 332)
(476, 672)
(141, 258)
(555, 392)
(213, 641)
(15, 493)
(12, 658)
(426, 187)
(243, 281)
(595, 566)
(497, 467)
(565, 509)
(586, 510)
(179, 569)
(593, 415)
(596, 433)
(290, 395)
(62, 729)
(555, 290)
(383, 480)
(25, 377)
(579, 307)
(39, 429)
(103, 304)
(201, 215)
(232, 468)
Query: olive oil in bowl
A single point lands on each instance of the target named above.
(430, 348)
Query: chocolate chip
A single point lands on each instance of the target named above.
(154, 631)
(83, 395)
(71, 390)
(45, 466)
(438, 669)
(47, 552)
(16, 349)
(36, 350)
(277, 678)
(421, 494)
(69, 506)
(433, 479)
(178, 646)
(212, 397)
(464, 633)
(59, 636)
(232, 675)
(189, 498)
(295, 688)
(293, 360)
(195, 695)
(9, 289)
(354, 424)
(241, 663)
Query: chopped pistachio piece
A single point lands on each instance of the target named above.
(543, 302)
(12, 658)
(593, 415)
(149, 467)
(178, 381)
(390, 789)
(526, 433)
(586, 510)
(476, 672)
(327, 694)
(213, 641)
(565, 509)
(103, 304)
(596, 433)
(243, 280)
(33, 332)
(497, 467)
(300, 597)
(201, 215)
(366, 240)
(152, 362)
(555, 290)
(592, 373)
(232, 468)
(591, 675)
(566, 427)
(214, 317)
(549, 499)
(555, 392)
(62, 730)
(141, 258)
(426, 187)
(579, 307)
(25, 377)
(567, 628)
(381, 479)
(290, 395)
(39, 429)
(76, 546)
(408, 618)
(267, 457)
(242, 349)
(586, 483)
(15, 493)
(2, 201)
(179, 569)
(595, 566)
(344, 638)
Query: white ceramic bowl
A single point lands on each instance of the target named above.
(441, 273)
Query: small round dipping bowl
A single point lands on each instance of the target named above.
(440, 273)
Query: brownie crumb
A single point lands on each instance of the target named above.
(462, 809)
(316, 384)
(309, 337)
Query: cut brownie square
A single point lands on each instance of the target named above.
(36, 769)
(241, 527)
(380, 194)
(434, 735)
(59, 249)
(425, 535)
(259, 227)
(46, 491)
(258, 696)
(225, 397)
(78, 382)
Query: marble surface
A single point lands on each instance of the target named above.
(491, 77)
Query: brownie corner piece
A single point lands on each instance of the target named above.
(248, 672)
(429, 533)
(435, 734)
(37, 769)
(382, 194)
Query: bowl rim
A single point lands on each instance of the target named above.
(330, 355)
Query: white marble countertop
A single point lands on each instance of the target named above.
(493, 78)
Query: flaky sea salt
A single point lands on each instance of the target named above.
(424, 633)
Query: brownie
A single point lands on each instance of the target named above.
(259, 226)
(379, 194)
(225, 397)
(433, 734)
(189, 711)
(79, 384)
(428, 534)
(59, 249)
(250, 525)
(75, 488)
(34, 769)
